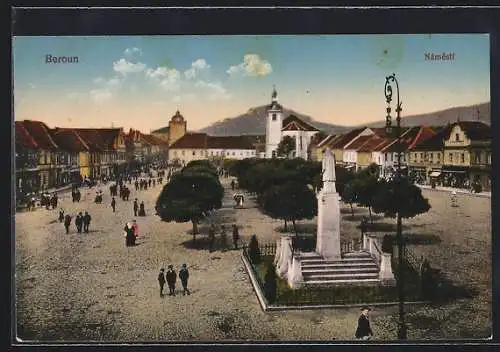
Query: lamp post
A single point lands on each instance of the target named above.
(402, 329)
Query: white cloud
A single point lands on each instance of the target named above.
(99, 80)
(123, 66)
(252, 65)
(114, 82)
(133, 52)
(184, 97)
(215, 90)
(196, 67)
(169, 78)
(31, 85)
(100, 95)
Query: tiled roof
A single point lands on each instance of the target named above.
(23, 138)
(475, 130)
(163, 130)
(153, 140)
(326, 140)
(256, 139)
(344, 139)
(384, 145)
(371, 144)
(299, 124)
(68, 140)
(435, 142)
(40, 133)
(359, 142)
(191, 141)
(92, 139)
(424, 133)
(229, 142)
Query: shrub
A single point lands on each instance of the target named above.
(253, 250)
(270, 283)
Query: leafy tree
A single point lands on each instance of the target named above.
(188, 196)
(286, 146)
(201, 169)
(366, 186)
(403, 196)
(290, 201)
(349, 195)
(203, 163)
(253, 250)
(270, 283)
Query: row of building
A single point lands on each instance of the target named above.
(454, 155)
(54, 157)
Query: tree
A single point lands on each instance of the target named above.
(270, 283)
(290, 201)
(366, 186)
(403, 196)
(286, 146)
(349, 195)
(188, 196)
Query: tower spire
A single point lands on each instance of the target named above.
(275, 94)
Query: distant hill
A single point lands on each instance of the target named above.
(253, 122)
(441, 118)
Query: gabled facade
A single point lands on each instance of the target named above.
(26, 154)
(302, 133)
(69, 141)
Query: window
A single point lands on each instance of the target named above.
(234, 153)
(421, 156)
(183, 152)
(194, 152)
(477, 157)
(385, 157)
(457, 137)
(274, 153)
(175, 153)
(462, 158)
(431, 157)
(450, 157)
(489, 158)
(212, 152)
(274, 117)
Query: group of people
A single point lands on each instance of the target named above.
(170, 277)
(223, 237)
(82, 221)
(139, 209)
(131, 232)
(143, 184)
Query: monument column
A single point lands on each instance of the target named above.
(328, 233)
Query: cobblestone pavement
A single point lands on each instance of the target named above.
(91, 287)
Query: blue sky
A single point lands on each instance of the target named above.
(139, 82)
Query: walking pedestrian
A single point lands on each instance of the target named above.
(86, 222)
(136, 207)
(184, 276)
(364, 331)
(142, 211)
(211, 237)
(161, 280)
(113, 204)
(67, 222)
(171, 277)
(236, 236)
(79, 222)
(136, 228)
(61, 215)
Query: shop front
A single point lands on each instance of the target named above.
(456, 177)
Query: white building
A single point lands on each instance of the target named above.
(200, 146)
(277, 128)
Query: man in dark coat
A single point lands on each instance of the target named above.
(86, 222)
(129, 235)
(67, 222)
(184, 276)
(171, 277)
(142, 211)
(61, 215)
(364, 331)
(136, 207)
(79, 222)
(113, 204)
(161, 280)
(236, 236)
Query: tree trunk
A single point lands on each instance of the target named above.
(352, 210)
(370, 212)
(286, 226)
(195, 230)
(295, 228)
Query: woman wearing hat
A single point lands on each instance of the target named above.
(364, 331)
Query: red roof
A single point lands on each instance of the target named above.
(359, 142)
(386, 144)
(346, 138)
(229, 142)
(103, 137)
(326, 140)
(371, 144)
(41, 134)
(293, 123)
(67, 139)
(423, 134)
(92, 139)
(191, 141)
(23, 138)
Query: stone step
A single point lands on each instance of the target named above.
(339, 265)
(337, 271)
(356, 254)
(342, 261)
(343, 282)
(334, 276)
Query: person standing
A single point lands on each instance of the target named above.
(142, 211)
(211, 237)
(61, 215)
(171, 277)
(161, 280)
(232, 185)
(136, 228)
(364, 331)
(79, 222)
(113, 204)
(184, 276)
(136, 207)
(236, 236)
(86, 222)
(67, 222)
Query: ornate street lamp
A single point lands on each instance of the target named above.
(402, 329)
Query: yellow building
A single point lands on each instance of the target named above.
(176, 129)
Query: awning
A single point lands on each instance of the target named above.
(435, 174)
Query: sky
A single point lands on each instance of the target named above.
(140, 81)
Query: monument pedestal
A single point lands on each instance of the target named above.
(328, 235)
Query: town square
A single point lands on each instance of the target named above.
(160, 218)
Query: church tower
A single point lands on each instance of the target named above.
(273, 125)
(176, 128)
